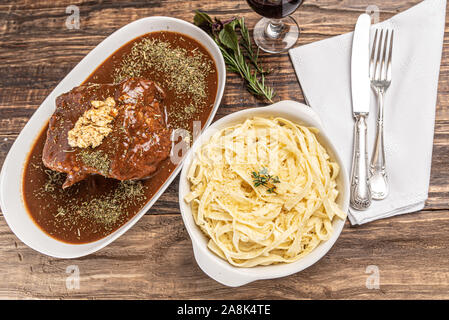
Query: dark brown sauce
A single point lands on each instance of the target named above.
(112, 203)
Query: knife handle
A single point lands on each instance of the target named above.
(360, 187)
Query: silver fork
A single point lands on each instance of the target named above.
(380, 76)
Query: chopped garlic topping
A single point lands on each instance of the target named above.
(94, 125)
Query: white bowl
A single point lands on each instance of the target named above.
(219, 269)
(11, 176)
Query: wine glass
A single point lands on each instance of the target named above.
(277, 31)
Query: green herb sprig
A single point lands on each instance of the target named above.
(230, 36)
(262, 178)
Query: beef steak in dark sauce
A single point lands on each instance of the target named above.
(115, 130)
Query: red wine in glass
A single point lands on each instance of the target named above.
(278, 31)
(275, 9)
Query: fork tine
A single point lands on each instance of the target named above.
(383, 72)
(372, 61)
(390, 55)
(378, 53)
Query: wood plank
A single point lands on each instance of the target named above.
(154, 260)
(18, 102)
(438, 192)
(39, 61)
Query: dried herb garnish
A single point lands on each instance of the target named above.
(186, 72)
(54, 179)
(229, 36)
(263, 178)
(105, 210)
(96, 159)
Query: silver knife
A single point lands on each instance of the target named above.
(360, 87)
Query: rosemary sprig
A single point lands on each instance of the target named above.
(262, 178)
(230, 36)
(246, 43)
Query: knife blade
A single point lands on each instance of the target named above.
(360, 82)
(360, 197)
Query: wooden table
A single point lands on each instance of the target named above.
(154, 259)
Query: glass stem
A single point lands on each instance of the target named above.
(274, 28)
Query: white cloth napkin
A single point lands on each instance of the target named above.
(323, 69)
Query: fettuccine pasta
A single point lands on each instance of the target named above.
(264, 192)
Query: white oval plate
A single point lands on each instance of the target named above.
(219, 269)
(11, 200)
